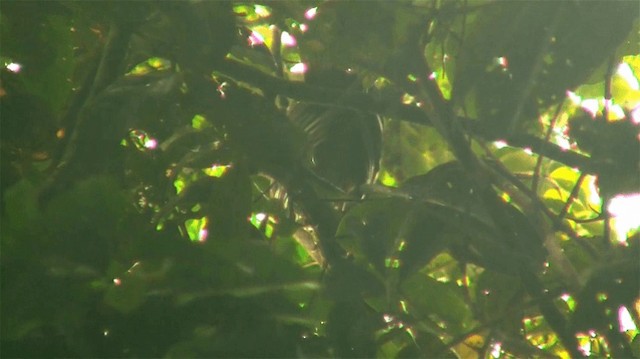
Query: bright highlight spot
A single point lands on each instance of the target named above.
(625, 321)
(590, 106)
(584, 344)
(221, 89)
(500, 144)
(311, 13)
(635, 115)
(151, 144)
(299, 68)
(571, 303)
(142, 140)
(624, 210)
(496, 350)
(14, 67)
(594, 196)
(197, 229)
(304, 27)
(255, 39)
(625, 71)
(136, 264)
(502, 62)
(575, 99)
(117, 281)
(403, 306)
(616, 112)
(288, 39)
(217, 170)
(262, 11)
(561, 138)
(203, 234)
(263, 222)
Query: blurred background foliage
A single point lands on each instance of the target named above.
(450, 179)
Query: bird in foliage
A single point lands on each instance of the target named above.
(344, 144)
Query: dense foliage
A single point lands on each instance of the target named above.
(319, 179)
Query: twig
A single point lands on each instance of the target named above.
(572, 196)
(605, 113)
(547, 138)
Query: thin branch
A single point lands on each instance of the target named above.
(557, 222)
(535, 71)
(391, 107)
(605, 113)
(585, 220)
(572, 196)
(454, 133)
(547, 138)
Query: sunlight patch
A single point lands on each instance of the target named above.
(299, 68)
(624, 210)
(217, 170)
(496, 350)
(288, 39)
(142, 141)
(626, 73)
(262, 11)
(255, 39)
(590, 106)
(635, 115)
(500, 144)
(574, 98)
(625, 320)
(264, 222)
(197, 229)
(14, 67)
(311, 13)
(502, 62)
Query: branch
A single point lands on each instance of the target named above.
(392, 108)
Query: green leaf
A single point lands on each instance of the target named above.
(411, 149)
(45, 51)
(127, 294)
(517, 160)
(444, 300)
(374, 230)
(509, 79)
(495, 293)
(21, 206)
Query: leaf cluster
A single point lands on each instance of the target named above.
(434, 182)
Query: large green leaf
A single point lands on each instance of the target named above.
(438, 300)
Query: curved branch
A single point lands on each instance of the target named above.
(392, 108)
